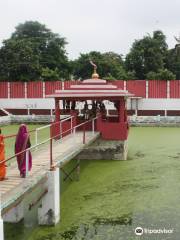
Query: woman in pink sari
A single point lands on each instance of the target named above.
(22, 143)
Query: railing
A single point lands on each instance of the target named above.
(59, 126)
(6, 112)
(10, 141)
(14, 135)
(37, 130)
(72, 130)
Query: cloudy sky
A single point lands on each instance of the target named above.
(102, 25)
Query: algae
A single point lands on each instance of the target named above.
(112, 198)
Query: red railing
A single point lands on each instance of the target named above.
(50, 140)
(14, 135)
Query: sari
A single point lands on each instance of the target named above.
(2, 158)
(22, 143)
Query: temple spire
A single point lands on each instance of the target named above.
(95, 75)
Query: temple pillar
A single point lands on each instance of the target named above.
(122, 110)
(55, 129)
(57, 110)
(125, 111)
(49, 212)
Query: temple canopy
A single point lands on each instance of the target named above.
(113, 126)
(93, 88)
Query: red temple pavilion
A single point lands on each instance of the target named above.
(92, 93)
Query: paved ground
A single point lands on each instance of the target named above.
(63, 150)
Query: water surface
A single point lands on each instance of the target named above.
(112, 198)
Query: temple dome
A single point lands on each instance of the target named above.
(95, 75)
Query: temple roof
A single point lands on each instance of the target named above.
(91, 88)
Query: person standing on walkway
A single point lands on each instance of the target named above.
(2, 158)
(21, 144)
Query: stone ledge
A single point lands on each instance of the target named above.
(105, 150)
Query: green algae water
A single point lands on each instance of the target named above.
(112, 198)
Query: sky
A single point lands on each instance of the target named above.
(95, 25)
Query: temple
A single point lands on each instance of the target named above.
(89, 99)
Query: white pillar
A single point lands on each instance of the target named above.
(15, 214)
(168, 89)
(9, 90)
(1, 229)
(125, 85)
(147, 88)
(25, 89)
(49, 212)
(43, 89)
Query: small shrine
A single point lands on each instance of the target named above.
(90, 98)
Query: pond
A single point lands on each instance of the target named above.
(112, 198)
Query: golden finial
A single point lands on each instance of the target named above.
(95, 75)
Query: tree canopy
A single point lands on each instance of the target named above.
(147, 55)
(34, 52)
(110, 65)
(162, 74)
(31, 49)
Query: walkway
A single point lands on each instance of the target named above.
(13, 189)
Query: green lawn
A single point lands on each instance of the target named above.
(13, 129)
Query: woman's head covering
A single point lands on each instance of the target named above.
(21, 137)
(22, 129)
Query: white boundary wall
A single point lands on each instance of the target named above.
(155, 104)
(143, 103)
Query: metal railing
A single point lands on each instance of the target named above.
(14, 135)
(37, 130)
(72, 130)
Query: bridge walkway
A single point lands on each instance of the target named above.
(14, 188)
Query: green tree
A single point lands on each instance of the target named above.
(162, 74)
(173, 61)
(49, 74)
(110, 66)
(18, 62)
(147, 54)
(31, 49)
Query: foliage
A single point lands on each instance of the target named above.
(131, 75)
(173, 61)
(34, 52)
(31, 49)
(162, 74)
(110, 66)
(49, 74)
(147, 54)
